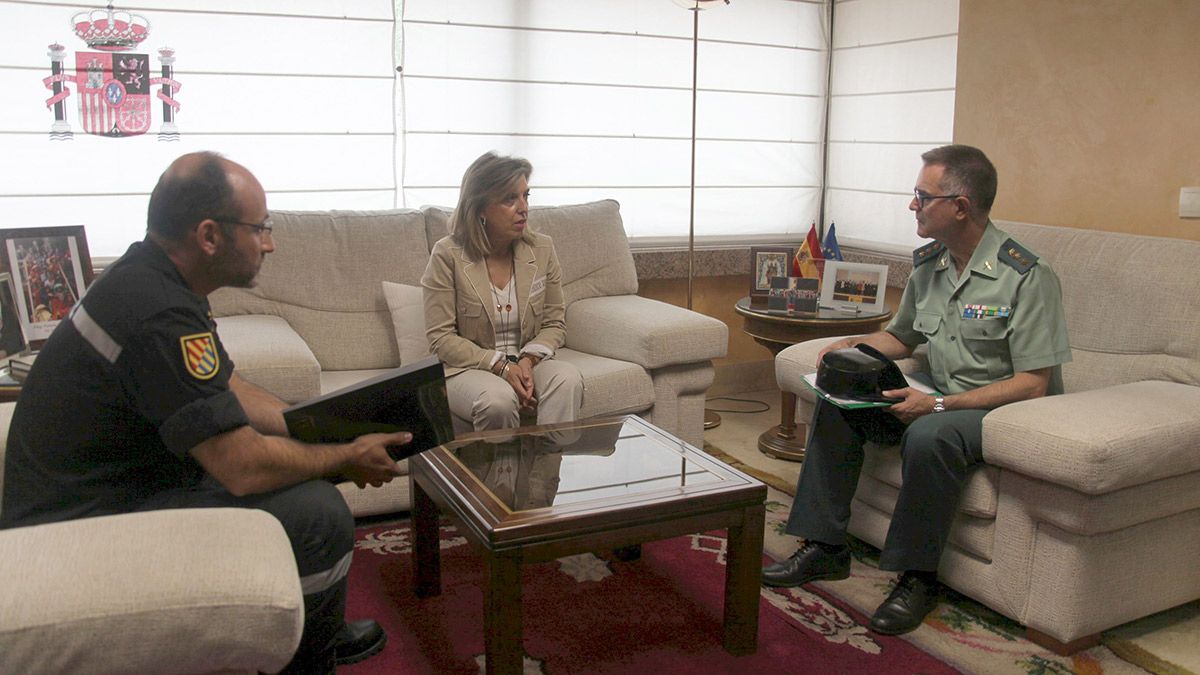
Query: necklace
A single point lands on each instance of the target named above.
(504, 306)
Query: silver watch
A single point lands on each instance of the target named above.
(939, 404)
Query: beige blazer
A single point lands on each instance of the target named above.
(458, 302)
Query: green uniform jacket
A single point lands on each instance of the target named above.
(1002, 316)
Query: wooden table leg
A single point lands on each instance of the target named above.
(502, 616)
(743, 572)
(785, 441)
(427, 553)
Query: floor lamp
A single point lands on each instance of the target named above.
(711, 418)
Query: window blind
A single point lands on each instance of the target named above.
(597, 95)
(299, 91)
(892, 89)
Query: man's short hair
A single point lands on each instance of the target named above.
(967, 171)
(185, 196)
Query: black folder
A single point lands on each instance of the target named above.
(410, 398)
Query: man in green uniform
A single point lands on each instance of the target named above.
(992, 315)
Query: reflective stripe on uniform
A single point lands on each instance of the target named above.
(95, 336)
(320, 581)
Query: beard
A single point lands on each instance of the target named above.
(234, 269)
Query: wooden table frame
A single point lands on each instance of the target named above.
(507, 539)
(777, 332)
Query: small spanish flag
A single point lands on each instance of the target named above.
(808, 261)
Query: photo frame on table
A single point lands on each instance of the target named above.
(852, 286)
(12, 338)
(793, 295)
(767, 262)
(50, 267)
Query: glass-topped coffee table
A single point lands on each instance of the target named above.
(539, 493)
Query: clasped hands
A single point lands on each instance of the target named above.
(520, 376)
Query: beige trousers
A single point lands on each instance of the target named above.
(489, 402)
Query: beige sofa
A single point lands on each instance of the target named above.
(319, 319)
(1086, 514)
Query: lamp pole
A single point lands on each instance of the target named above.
(711, 418)
(692, 181)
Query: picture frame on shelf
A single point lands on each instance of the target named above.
(857, 287)
(49, 267)
(12, 338)
(767, 262)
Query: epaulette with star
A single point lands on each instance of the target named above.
(1016, 256)
(927, 252)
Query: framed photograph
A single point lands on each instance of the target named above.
(12, 339)
(793, 295)
(854, 286)
(766, 263)
(49, 267)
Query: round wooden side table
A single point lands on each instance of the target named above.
(776, 331)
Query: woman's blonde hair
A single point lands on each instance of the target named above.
(487, 180)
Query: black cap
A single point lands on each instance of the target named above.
(861, 373)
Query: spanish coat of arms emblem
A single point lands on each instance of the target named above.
(113, 84)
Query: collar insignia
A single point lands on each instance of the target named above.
(200, 355)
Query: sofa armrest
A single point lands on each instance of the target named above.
(1100, 440)
(647, 332)
(184, 590)
(268, 352)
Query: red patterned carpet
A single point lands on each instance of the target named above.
(589, 614)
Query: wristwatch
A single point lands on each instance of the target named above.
(939, 404)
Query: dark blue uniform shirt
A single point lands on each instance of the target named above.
(118, 396)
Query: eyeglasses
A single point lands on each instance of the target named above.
(923, 199)
(263, 228)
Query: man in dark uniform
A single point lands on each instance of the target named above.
(134, 405)
(992, 315)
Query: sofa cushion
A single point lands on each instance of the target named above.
(267, 352)
(323, 278)
(1116, 338)
(408, 320)
(590, 241)
(332, 380)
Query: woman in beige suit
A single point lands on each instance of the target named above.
(494, 305)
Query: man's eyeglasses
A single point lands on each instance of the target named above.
(923, 199)
(264, 227)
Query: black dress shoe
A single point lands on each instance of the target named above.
(906, 606)
(810, 563)
(628, 553)
(357, 641)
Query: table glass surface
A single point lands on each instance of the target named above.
(823, 313)
(601, 461)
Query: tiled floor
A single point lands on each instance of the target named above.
(738, 432)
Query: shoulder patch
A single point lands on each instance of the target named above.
(200, 355)
(927, 252)
(1016, 256)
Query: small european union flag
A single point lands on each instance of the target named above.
(830, 249)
